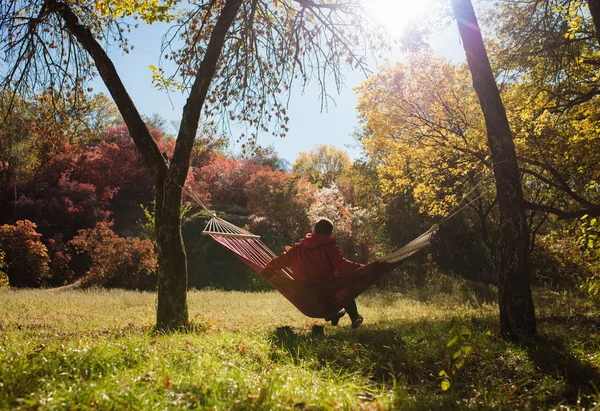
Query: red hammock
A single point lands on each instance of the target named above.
(314, 299)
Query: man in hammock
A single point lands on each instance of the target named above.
(318, 257)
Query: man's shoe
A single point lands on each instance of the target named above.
(356, 322)
(335, 319)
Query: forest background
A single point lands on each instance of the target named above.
(76, 199)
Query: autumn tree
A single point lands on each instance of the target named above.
(235, 59)
(25, 256)
(423, 127)
(353, 226)
(549, 45)
(322, 165)
(517, 316)
(547, 56)
(279, 202)
(226, 177)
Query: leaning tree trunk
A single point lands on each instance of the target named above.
(594, 6)
(517, 315)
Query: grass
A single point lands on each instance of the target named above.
(95, 350)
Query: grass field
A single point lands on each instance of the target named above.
(96, 350)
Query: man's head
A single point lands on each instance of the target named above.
(324, 226)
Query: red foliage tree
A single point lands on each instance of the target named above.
(116, 261)
(75, 189)
(60, 258)
(26, 257)
(226, 178)
(3, 277)
(280, 202)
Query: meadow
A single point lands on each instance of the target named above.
(96, 349)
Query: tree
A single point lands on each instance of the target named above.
(116, 261)
(280, 202)
(594, 6)
(549, 58)
(226, 177)
(354, 227)
(26, 258)
(423, 126)
(238, 57)
(323, 165)
(517, 315)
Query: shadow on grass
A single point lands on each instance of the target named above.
(411, 354)
(553, 357)
(553, 353)
(380, 354)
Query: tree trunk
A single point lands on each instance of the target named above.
(517, 315)
(594, 6)
(172, 311)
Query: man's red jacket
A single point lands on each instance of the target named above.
(315, 258)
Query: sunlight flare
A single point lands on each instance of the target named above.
(398, 15)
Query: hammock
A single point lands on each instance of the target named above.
(314, 299)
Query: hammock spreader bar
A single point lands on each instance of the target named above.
(315, 299)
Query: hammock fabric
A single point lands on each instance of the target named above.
(314, 299)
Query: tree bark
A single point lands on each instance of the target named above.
(172, 312)
(517, 315)
(594, 6)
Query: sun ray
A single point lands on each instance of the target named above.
(398, 15)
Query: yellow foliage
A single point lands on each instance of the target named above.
(424, 126)
(150, 11)
(162, 83)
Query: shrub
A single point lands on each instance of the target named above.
(3, 276)
(26, 258)
(280, 202)
(562, 262)
(117, 262)
(60, 260)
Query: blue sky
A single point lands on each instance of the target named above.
(308, 125)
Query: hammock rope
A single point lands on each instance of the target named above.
(324, 298)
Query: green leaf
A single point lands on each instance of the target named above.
(459, 364)
(453, 328)
(465, 333)
(467, 349)
(457, 353)
(452, 341)
(593, 221)
(445, 385)
(442, 373)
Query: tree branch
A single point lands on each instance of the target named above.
(135, 124)
(561, 184)
(193, 106)
(562, 214)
